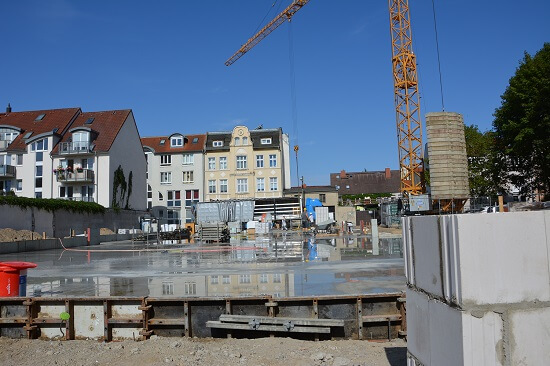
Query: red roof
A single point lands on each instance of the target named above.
(106, 126)
(188, 146)
(53, 119)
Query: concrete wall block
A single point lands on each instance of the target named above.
(438, 334)
(418, 326)
(483, 338)
(407, 249)
(530, 336)
(503, 258)
(427, 254)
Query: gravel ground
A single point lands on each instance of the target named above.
(211, 352)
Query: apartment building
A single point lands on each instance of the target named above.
(175, 172)
(246, 164)
(73, 155)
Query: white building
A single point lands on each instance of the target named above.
(175, 175)
(68, 154)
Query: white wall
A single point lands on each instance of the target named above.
(127, 152)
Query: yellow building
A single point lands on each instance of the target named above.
(246, 164)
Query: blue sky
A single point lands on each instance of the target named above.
(165, 61)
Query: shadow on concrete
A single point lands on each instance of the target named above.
(397, 356)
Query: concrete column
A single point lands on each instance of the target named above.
(375, 238)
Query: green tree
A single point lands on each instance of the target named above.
(482, 175)
(522, 124)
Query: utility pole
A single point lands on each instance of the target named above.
(303, 193)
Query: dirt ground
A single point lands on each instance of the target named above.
(7, 235)
(210, 352)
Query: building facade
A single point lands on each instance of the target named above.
(246, 164)
(69, 154)
(175, 175)
(352, 183)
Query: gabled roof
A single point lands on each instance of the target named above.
(27, 122)
(188, 146)
(105, 127)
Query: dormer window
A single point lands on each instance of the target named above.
(176, 141)
(265, 141)
(217, 143)
(7, 135)
(81, 140)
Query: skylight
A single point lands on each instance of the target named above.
(162, 141)
(55, 130)
(89, 121)
(195, 140)
(27, 135)
(40, 117)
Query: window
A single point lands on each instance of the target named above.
(37, 194)
(19, 159)
(241, 162)
(223, 163)
(214, 280)
(272, 161)
(168, 288)
(266, 141)
(19, 185)
(81, 141)
(40, 117)
(165, 159)
(237, 141)
(165, 177)
(245, 140)
(244, 278)
(211, 163)
(195, 140)
(263, 278)
(39, 156)
(242, 185)
(176, 141)
(260, 184)
(226, 279)
(223, 185)
(273, 186)
(259, 161)
(191, 197)
(87, 163)
(89, 121)
(187, 177)
(38, 176)
(40, 145)
(277, 278)
(161, 197)
(149, 192)
(212, 186)
(188, 159)
(173, 199)
(217, 143)
(190, 288)
(174, 217)
(322, 197)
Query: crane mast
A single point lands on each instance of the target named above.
(407, 103)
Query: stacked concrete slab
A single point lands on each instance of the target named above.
(447, 155)
(478, 289)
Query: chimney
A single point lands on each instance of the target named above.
(388, 173)
(8, 108)
(343, 174)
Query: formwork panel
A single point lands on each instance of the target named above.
(13, 311)
(380, 307)
(203, 312)
(47, 311)
(295, 309)
(346, 312)
(88, 320)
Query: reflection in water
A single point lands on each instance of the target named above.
(281, 266)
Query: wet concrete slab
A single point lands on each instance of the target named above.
(283, 265)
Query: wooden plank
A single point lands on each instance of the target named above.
(112, 321)
(281, 320)
(381, 318)
(180, 321)
(267, 328)
(14, 320)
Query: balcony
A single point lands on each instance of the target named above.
(77, 176)
(75, 148)
(7, 171)
(80, 199)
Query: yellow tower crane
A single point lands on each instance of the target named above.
(405, 81)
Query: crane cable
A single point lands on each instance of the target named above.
(438, 59)
(266, 14)
(293, 95)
